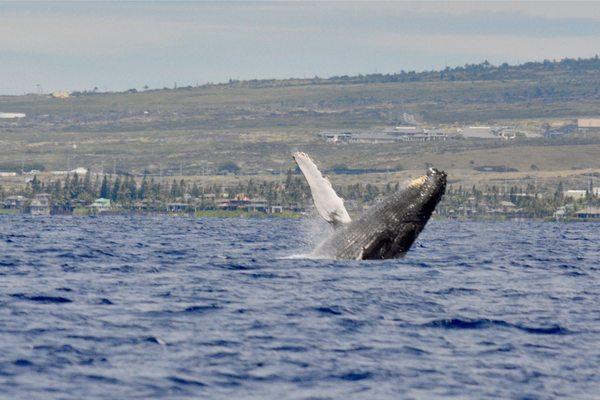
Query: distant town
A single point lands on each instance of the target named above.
(425, 133)
(80, 192)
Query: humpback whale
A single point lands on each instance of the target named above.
(387, 230)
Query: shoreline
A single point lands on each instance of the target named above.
(259, 215)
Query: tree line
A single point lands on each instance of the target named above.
(126, 191)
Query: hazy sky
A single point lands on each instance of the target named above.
(116, 46)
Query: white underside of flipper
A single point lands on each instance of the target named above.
(328, 204)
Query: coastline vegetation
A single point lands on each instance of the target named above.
(291, 197)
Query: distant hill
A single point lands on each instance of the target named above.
(580, 67)
(256, 123)
(472, 93)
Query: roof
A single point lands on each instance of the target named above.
(11, 115)
(102, 200)
(80, 171)
(589, 210)
(477, 132)
(588, 122)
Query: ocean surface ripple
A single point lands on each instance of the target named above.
(161, 307)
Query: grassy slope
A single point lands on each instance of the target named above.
(258, 127)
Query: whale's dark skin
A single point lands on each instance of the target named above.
(388, 229)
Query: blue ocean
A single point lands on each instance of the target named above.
(140, 307)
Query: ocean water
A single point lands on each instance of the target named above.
(159, 307)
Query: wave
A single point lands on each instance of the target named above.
(42, 299)
(484, 323)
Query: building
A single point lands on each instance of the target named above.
(44, 198)
(242, 202)
(477, 132)
(7, 174)
(178, 207)
(588, 123)
(79, 171)
(507, 205)
(100, 205)
(372, 138)
(11, 115)
(575, 194)
(60, 94)
(335, 137)
(589, 213)
(596, 192)
(40, 205)
(406, 129)
(15, 202)
(507, 133)
(258, 205)
(394, 135)
(276, 209)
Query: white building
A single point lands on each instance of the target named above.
(479, 132)
(60, 94)
(588, 123)
(575, 194)
(407, 129)
(79, 171)
(100, 205)
(9, 115)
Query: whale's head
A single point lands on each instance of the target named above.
(422, 195)
(403, 215)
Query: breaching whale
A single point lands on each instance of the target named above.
(386, 230)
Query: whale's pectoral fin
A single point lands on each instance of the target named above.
(328, 204)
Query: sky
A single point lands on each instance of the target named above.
(117, 46)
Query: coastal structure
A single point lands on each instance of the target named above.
(178, 207)
(589, 124)
(100, 205)
(15, 202)
(41, 204)
(397, 134)
(60, 94)
(478, 132)
(575, 194)
(589, 213)
(242, 202)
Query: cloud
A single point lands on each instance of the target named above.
(554, 10)
(70, 35)
(74, 45)
(497, 47)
